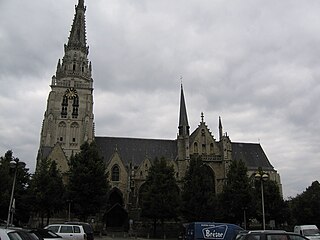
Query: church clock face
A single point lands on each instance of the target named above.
(71, 93)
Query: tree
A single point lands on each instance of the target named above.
(88, 183)
(198, 192)
(160, 194)
(305, 207)
(236, 197)
(47, 190)
(6, 181)
(274, 205)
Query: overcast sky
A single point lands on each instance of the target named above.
(254, 63)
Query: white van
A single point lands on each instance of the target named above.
(68, 231)
(309, 231)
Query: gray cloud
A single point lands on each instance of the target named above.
(255, 63)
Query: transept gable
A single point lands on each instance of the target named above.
(143, 169)
(117, 171)
(202, 140)
(116, 160)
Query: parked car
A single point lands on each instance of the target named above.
(87, 229)
(17, 234)
(309, 231)
(46, 234)
(269, 235)
(69, 231)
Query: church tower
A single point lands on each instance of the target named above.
(184, 132)
(183, 138)
(68, 119)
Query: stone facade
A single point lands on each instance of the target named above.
(68, 122)
(68, 119)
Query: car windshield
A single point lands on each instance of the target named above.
(311, 232)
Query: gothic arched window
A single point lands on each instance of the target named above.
(62, 132)
(195, 146)
(75, 107)
(64, 107)
(115, 173)
(211, 148)
(74, 132)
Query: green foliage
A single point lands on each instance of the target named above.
(275, 207)
(160, 194)
(236, 196)
(88, 183)
(305, 207)
(198, 192)
(47, 189)
(6, 180)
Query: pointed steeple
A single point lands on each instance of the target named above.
(75, 62)
(77, 37)
(183, 135)
(220, 129)
(183, 119)
(70, 101)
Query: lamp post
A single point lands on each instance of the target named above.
(69, 209)
(13, 164)
(262, 177)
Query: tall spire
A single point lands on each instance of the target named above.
(183, 119)
(77, 37)
(75, 62)
(220, 129)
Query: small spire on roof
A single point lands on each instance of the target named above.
(202, 117)
(220, 129)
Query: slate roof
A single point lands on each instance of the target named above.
(45, 151)
(135, 150)
(252, 154)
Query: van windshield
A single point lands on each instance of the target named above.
(311, 232)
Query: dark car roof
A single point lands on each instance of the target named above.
(45, 233)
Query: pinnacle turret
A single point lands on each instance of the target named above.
(75, 61)
(220, 129)
(77, 37)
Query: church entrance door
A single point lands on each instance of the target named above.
(116, 216)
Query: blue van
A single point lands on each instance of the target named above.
(211, 231)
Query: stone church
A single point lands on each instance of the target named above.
(69, 122)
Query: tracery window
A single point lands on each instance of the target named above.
(115, 175)
(75, 107)
(211, 148)
(64, 107)
(74, 132)
(62, 132)
(195, 146)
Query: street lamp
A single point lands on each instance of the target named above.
(14, 164)
(262, 177)
(69, 209)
